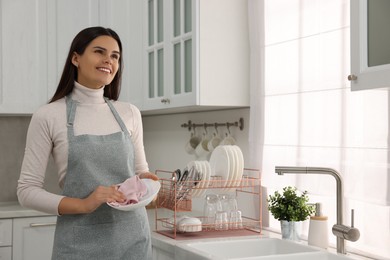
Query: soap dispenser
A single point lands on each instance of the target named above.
(318, 229)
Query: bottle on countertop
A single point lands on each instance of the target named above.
(318, 229)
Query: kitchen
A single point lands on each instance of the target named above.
(302, 123)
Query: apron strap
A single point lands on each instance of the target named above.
(70, 112)
(117, 117)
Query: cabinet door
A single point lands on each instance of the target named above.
(33, 238)
(5, 232)
(370, 44)
(24, 53)
(35, 39)
(125, 18)
(169, 56)
(155, 56)
(182, 47)
(159, 254)
(6, 253)
(65, 19)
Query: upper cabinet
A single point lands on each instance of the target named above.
(125, 17)
(23, 55)
(370, 44)
(196, 55)
(35, 40)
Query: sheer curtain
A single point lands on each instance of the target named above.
(303, 113)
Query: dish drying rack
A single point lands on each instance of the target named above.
(171, 201)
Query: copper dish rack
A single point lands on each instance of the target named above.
(168, 205)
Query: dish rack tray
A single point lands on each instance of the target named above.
(170, 203)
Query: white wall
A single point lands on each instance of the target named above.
(164, 138)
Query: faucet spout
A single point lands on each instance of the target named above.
(281, 170)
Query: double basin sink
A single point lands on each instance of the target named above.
(252, 249)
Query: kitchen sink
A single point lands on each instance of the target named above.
(252, 249)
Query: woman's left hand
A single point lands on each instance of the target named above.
(148, 175)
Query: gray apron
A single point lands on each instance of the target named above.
(106, 233)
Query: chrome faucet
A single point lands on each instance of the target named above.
(341, 231)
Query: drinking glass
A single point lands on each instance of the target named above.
(221, 220)
(235, 221)
(228, 202)
(211, 207)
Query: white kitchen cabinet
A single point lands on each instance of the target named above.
(125, 18)
(5, 232)
(370, 44)
(35, 40)
(159, 254)
(23, 52)
(6, 253)
(5, 239)
(196, 55)
(33, 238)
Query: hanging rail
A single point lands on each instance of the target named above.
(190, 125)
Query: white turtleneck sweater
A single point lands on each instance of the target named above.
(47, 135)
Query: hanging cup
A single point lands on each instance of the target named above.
(228, 140)
(201, 150)
(214, 142)
(192, 144)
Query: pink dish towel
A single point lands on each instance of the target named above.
(133, 188)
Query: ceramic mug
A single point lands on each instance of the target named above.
(228, 140)
(201, 150)
(192, 144)
(214, 142)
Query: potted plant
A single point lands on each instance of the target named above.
(289, 208)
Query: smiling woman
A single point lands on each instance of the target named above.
(103, 52)
(98, 65)
(96, 142)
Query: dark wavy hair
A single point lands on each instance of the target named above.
(79, 44)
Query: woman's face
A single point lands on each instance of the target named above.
(99, 63)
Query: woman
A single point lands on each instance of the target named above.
(96, 142)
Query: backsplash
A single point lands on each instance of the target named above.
(13, 130)
(165, 139)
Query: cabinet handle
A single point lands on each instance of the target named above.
(165, 101)
(42, 224)
(352, 77)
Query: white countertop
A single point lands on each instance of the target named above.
(14, 210)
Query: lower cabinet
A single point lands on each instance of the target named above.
(159, 254)
(6, 253)
(33, 238)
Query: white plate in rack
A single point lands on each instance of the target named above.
(233, 166)
(240, 164)
(199, 168)
(234, 170)
(220, 164)
(206, 179)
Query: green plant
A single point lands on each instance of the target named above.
(289, 205)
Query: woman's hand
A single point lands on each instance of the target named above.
(100, 195)
(148, 175)
(103, 194)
